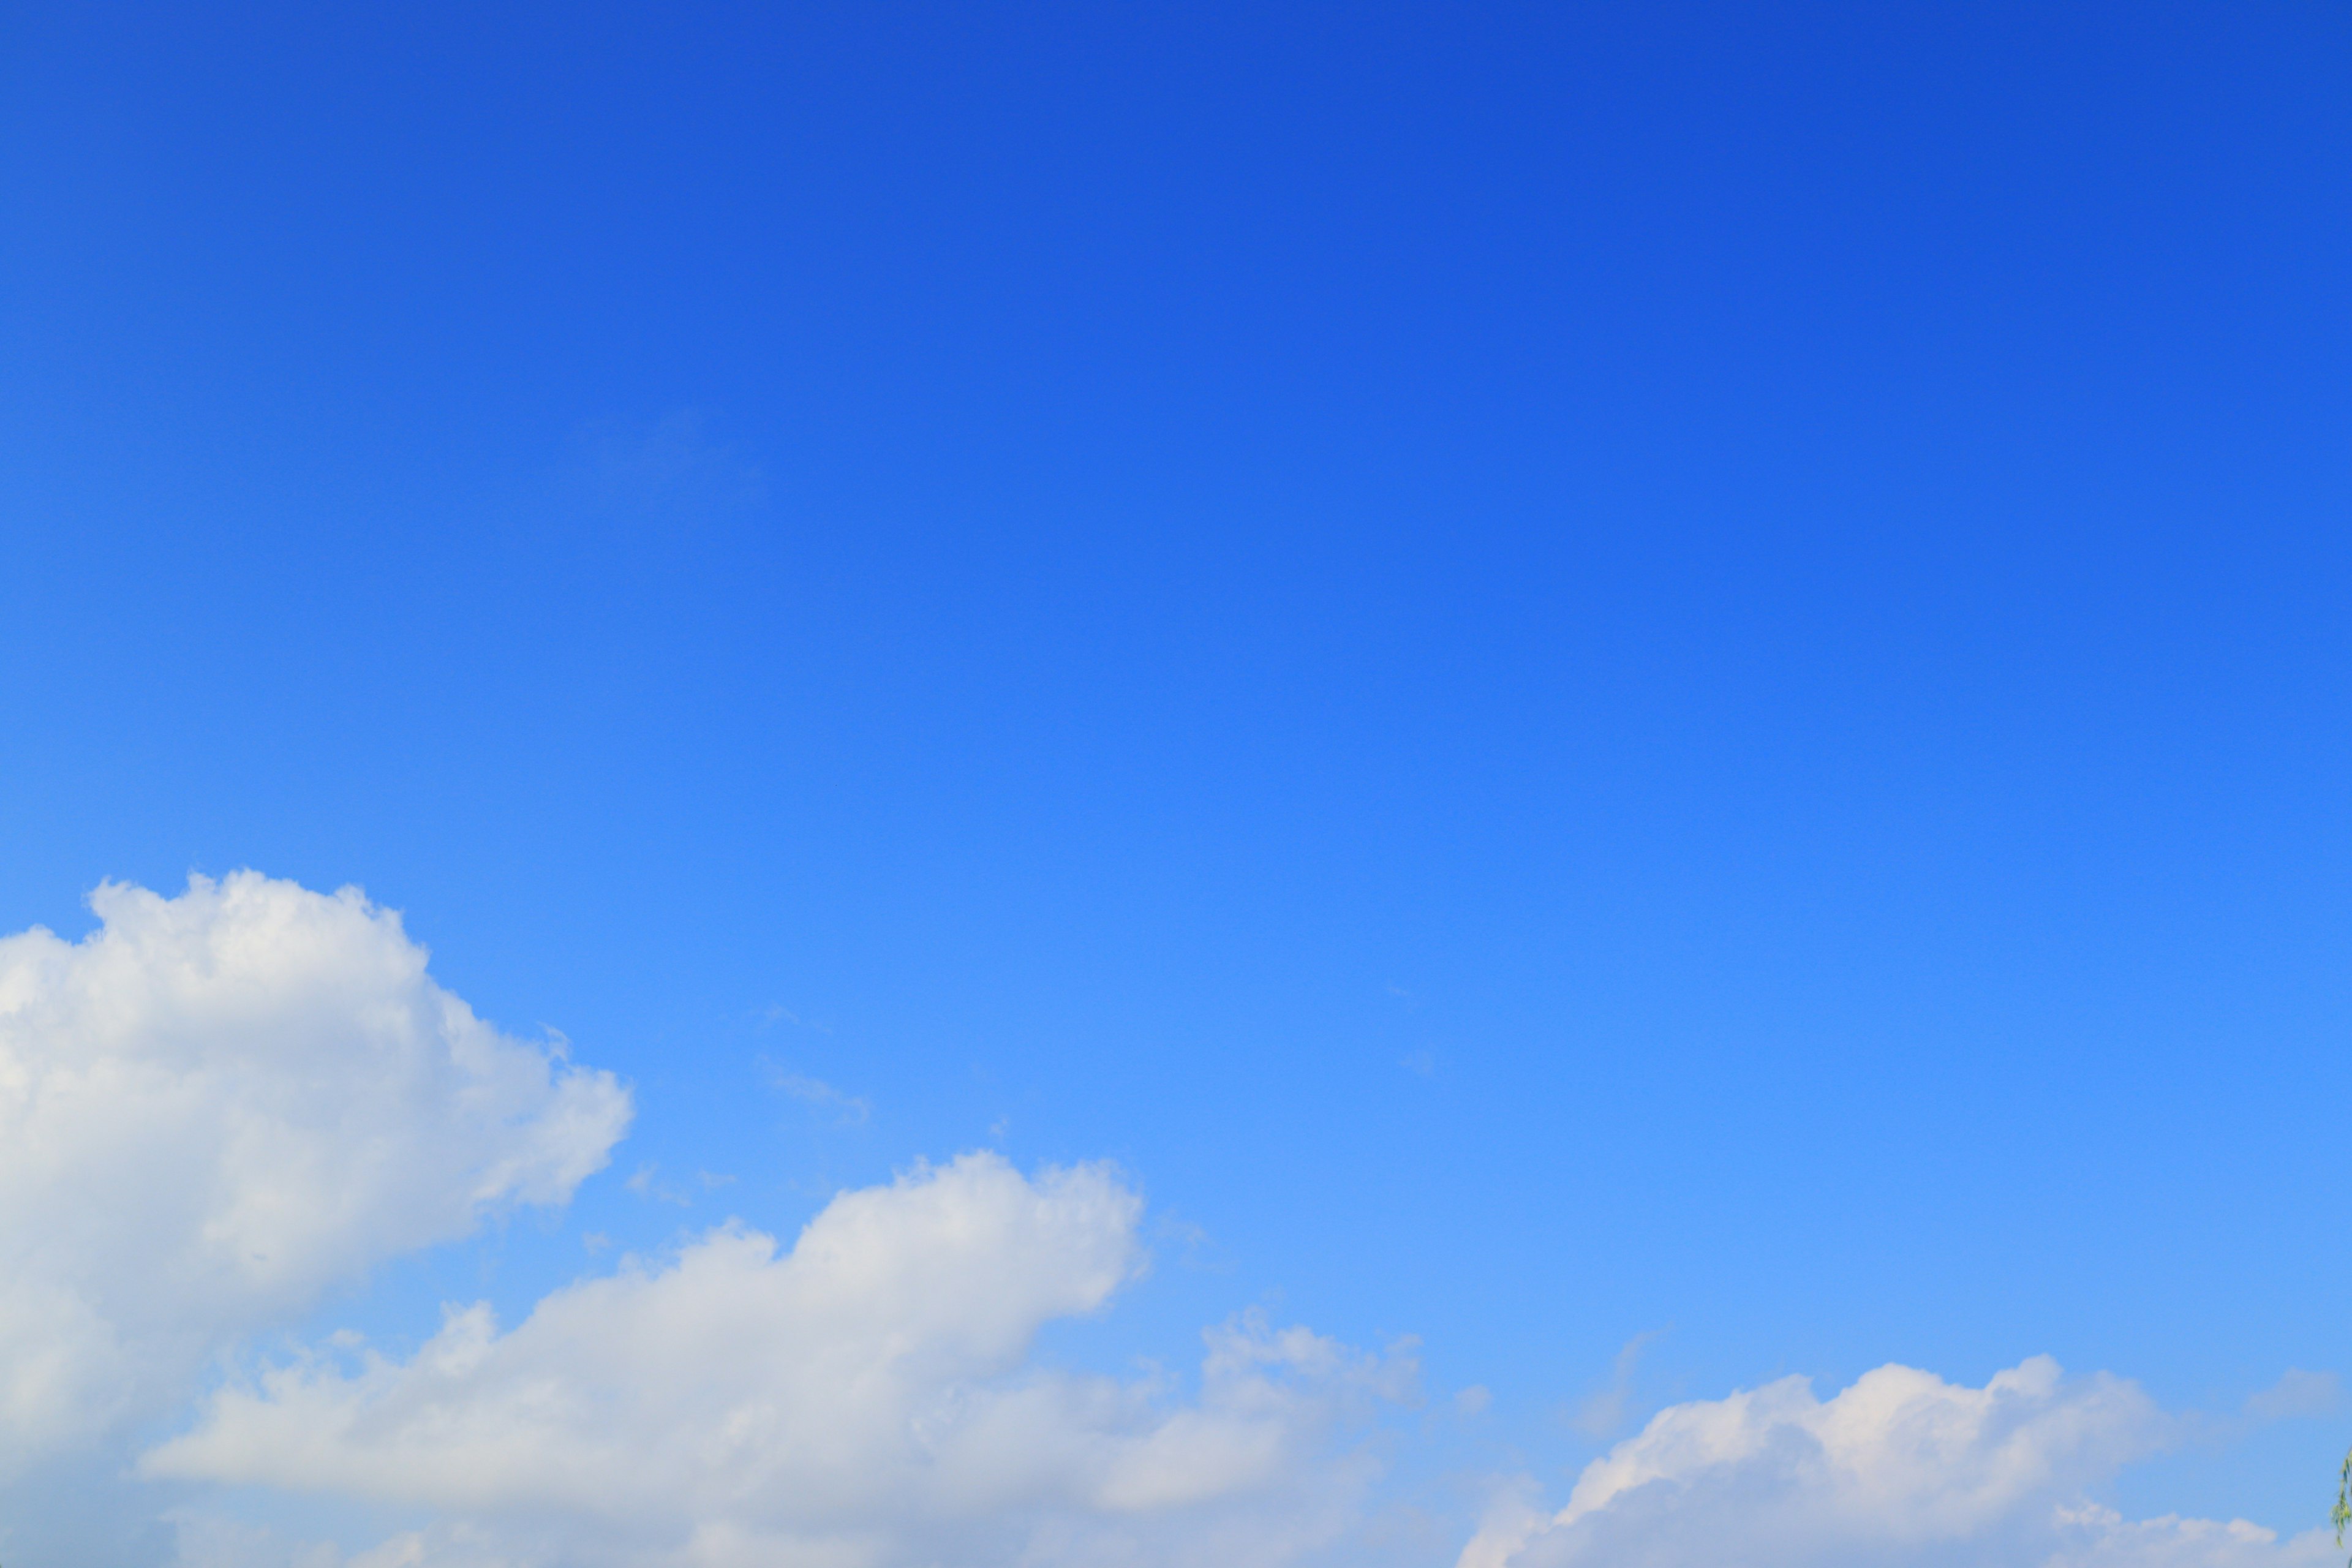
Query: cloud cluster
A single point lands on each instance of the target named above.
(217, 1107)
(863, 1399)
(1900, 1467)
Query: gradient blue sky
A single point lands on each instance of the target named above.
(1566, 671)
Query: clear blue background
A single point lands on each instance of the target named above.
(1566, 670)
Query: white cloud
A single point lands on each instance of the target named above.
(1900, 1467)
(217, 1107)
(2297, 1394)
(865, 1398)
(2092, 1537)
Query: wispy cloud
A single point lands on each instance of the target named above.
(646, 1184)
(848, 1110)
(669, 471)
(1602, 1415)
(2296, 1395)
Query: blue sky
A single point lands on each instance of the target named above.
(1566, 673)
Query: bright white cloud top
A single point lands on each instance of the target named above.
(218, 1107)
(1900, 1467)
(862, 1398)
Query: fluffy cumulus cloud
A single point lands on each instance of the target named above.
(867, 1397)
(1901, 1467)
(218, 1106)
